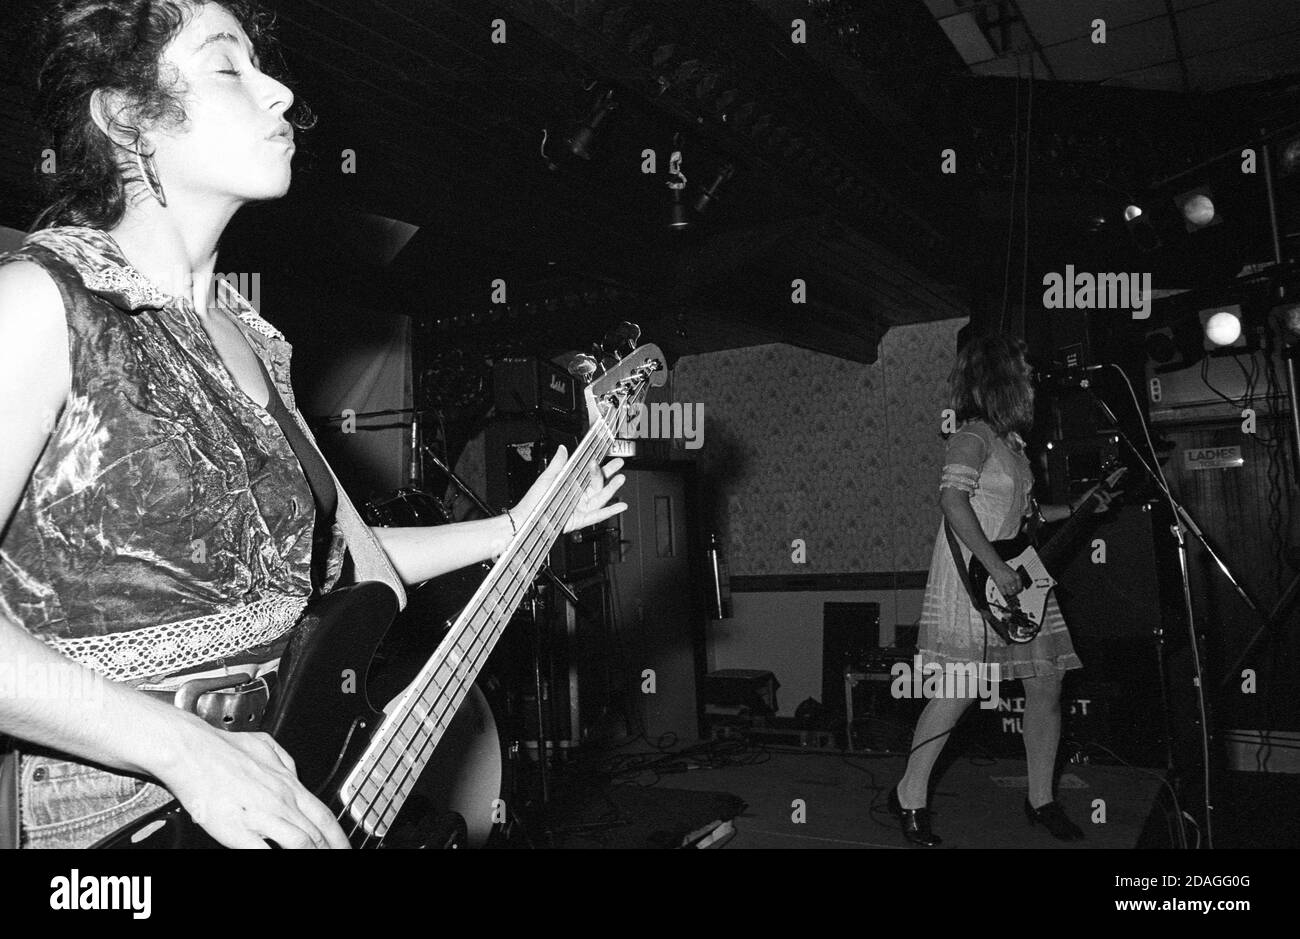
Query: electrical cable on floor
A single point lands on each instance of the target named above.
(1086, 744)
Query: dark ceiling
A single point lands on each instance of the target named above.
(835, 145)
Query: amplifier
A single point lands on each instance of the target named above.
(531, 386)
(516, 451)
(1110, 721)
(1075, 464)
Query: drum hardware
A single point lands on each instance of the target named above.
(540, 612)
(415, 505)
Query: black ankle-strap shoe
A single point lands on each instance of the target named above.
(1052, 817)
(915, 822)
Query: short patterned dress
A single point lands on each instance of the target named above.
(996, 473)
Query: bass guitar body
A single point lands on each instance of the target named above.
(322, 715)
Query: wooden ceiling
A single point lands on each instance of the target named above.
(835, 147)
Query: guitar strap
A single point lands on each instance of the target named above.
(368, 556)
(9, 835)
(990, 620)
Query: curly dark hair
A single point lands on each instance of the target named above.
(990, 381)
(86, 45)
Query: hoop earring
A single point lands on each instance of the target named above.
(149, 173)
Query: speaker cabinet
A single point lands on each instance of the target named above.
(849, 632)
(516, 451)
(1110, 585)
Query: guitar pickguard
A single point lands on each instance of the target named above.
(1032, 600)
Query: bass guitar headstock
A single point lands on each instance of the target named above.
(612, 396)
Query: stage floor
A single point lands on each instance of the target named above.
(977, 803)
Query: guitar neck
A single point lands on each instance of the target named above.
(377, 787)
(1069, 531)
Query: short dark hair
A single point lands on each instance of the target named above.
(88, 45)
(990, 382)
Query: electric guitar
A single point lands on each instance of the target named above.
(365, 763)
(1020, 618)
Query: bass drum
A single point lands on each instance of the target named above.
(461, 793)
(403, 508)
(437, 601)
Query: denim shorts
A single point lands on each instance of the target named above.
(63, 804)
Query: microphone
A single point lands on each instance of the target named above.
(1070, 375)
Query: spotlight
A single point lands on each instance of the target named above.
(1222, 327)
(1140, 229)
(581, 140)
(1197, 208)
(705, 198)
(1288, 317)
(1289, 157)
(678, 217)
(1174, 347)
(1160, 346)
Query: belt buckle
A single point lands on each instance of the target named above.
(240, 706)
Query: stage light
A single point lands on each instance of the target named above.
(1197, 208)
(1140, 229)
(1175, 346)
(678, 217)
(1222, 327)
(1289, 157)
(710, 192)
(581, 140)
(1287, 316)
(1160, 346)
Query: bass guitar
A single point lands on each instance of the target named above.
(1018, 619)
(365, 763)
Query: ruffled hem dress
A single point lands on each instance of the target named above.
(997, 475)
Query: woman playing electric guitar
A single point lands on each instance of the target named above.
(984, 494)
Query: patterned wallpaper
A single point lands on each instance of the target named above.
(798, 444)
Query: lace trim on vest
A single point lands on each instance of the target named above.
(172, 647)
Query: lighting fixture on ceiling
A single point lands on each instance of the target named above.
(1140, 228)
(1197, 208)
(678, 217)
(1222, 327)
(580, 142)
(710, 192)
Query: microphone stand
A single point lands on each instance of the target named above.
(1182, 524)
(479, 504)
(535, 605)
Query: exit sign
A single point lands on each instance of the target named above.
(1208, 458)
